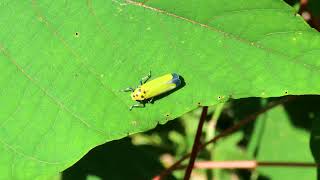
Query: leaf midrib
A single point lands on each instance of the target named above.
(226, 34)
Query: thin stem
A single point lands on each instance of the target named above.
(196, 143)
(246, 164)
(213, 121)
(210, 133)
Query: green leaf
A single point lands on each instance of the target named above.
(62, 64)
(279, 140)
(227, 150)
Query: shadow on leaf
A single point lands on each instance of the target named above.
(118, 159)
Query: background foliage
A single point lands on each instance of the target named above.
(63, 63)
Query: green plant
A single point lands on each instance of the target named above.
(62, 64)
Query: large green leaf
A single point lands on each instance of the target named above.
(277, 139)
(62, 64)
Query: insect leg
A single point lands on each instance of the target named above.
(150, 101)
(145, 79)
(137, 106)
(128, 89)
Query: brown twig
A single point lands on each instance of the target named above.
(196, 143)
(225, 133)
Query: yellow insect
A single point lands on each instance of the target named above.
(148, 90)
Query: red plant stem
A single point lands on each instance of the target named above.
(225, 164)
(303, 2)
(225, 133)
(196, 143)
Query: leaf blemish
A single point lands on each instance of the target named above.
(120, 3)
(76, 34)
(119, 9)
(134, 123)
(311, 115)
(40, 19)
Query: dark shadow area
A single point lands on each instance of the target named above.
(247, 174)
(292, 2)
(314, 6)
(243, 108)
(262, 177)
(315, 141)
(117, 160)
(302, 110)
